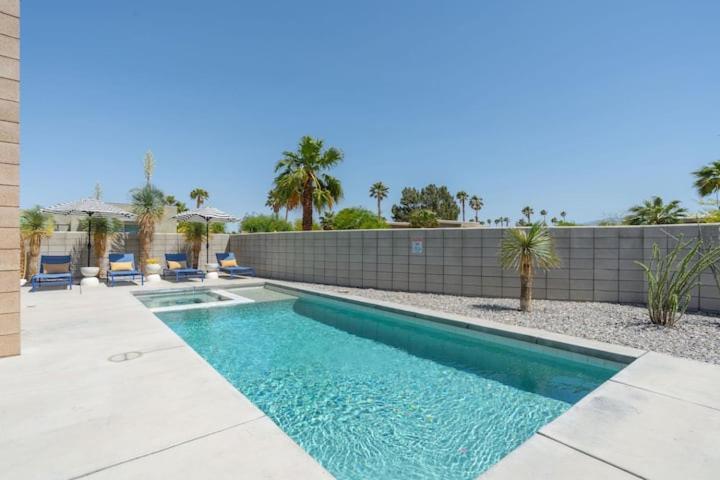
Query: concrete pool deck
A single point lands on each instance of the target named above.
(70, 409)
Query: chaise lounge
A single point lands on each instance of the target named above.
(177, 264)
(228, 264)
(54, 270)
(122, 265)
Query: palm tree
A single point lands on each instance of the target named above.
(327, 220)
(489, 221)
(655, 212)
(462, 197)
(507, 221)
(544, 215)
(563, 214)
(181, 207)
(708, 181)
(199, 195)
(528, 211)
(194, 233)
(497, 221)
(34, 226)
(170, 200)
(274, 201)
(379, 191)
(476, 203)
(299, 173)
(524, 250)
(553, 220)
(103, 229)
(148, 204)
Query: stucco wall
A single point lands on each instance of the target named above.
(9, 177)
(598, 263)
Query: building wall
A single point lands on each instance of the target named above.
(9, 177)
(598, 263)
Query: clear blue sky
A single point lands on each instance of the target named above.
(583, 106)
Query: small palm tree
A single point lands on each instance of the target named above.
(528, 211)
(274, 201)
(525, 250)
(476, 203)
(299, 175)
(379, 191)
(489, 221)
(181, 207)
(462, 197)
(553, 220)
(103, 229)
(708, 181)
(148, 204)
(655, 212)
(507, 221)
(194, 233)
(563, 214)
(199, 195)
(34, 226)
(544, 213)
(170, 200)
(327, 220)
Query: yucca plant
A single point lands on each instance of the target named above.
(103, 229)
(671, 277)
(148, 204)
(524, 250)
(194, 233)
(34, 226)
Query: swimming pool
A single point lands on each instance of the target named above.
(372, 394)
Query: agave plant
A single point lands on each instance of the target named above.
(525, 250)
(34, 226)
(148, 204)
(671, 278)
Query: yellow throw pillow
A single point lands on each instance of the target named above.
(56, 267)
(173, 265)
(121, 266)
(228, 263)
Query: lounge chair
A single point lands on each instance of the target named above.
(54, 269)
(233, 270)
(177, 264)
(120, 271)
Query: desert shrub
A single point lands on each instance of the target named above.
(355, 218)
(423, 218)
(672, 276)
(264, 223)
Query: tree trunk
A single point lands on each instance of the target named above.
(145, 238)
(379, 210)
(100, 247)
(463, 211)
(287, 211)
(307, 205)
(196, 247)
(526, 278)
(476, 216)
(23, 259)
(34, 253)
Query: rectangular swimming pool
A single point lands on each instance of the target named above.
(373, 394)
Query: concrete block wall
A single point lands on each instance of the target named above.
(9, 177)
(598, 263)
(75, 244)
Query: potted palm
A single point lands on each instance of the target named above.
(34, 226)
(524, 250)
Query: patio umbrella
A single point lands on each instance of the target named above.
(90, 207)
(208, 215)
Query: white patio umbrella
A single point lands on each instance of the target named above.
(90, 207)
(208, 215)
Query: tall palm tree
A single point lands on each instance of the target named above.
(528, 211)
(655, 212)
(525, 250)
(476, 203)
(462, 197)
(148, 204)
(199, 195)
(300, 173)
(103, 229)
(34, 226)
(194, 233)
(544, 212)
(707, 181)
(379, 191)
(563, 214)
(507, 221)
(489, 221)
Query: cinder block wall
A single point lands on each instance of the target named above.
(598, 263)
(9, 177)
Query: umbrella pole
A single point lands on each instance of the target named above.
(89, 246)
(207, 242)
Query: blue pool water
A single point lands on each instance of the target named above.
(376, 395)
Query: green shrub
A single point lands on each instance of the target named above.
(298, 225)
(423, 218)
(357, 218)
(670, 279)
(264, 223)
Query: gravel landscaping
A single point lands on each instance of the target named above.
(697, 336)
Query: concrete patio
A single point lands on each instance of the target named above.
(80, 402)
